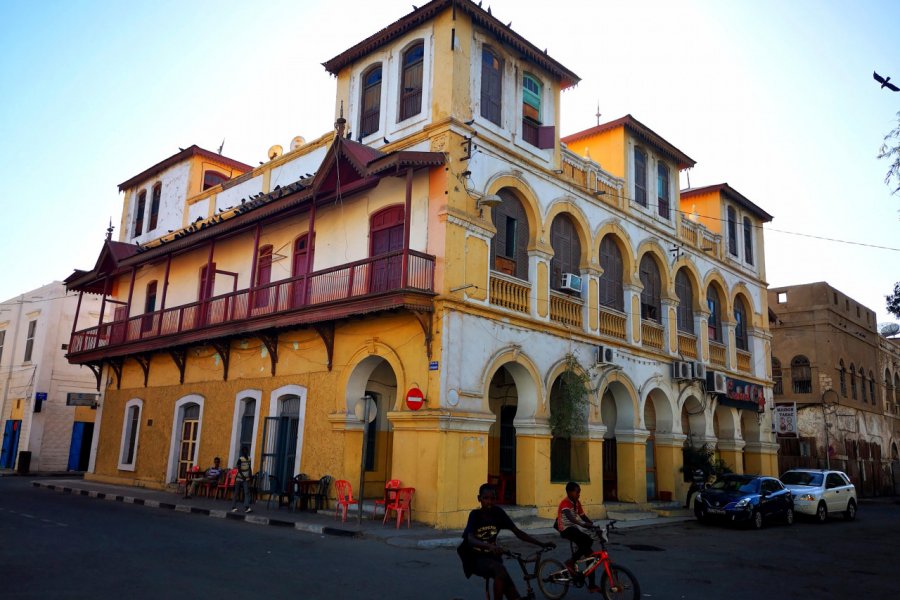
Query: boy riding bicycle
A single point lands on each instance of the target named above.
(570, 520)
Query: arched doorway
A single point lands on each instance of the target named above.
(503, 403)
(609, 416)
(280, 441)
(185, 439)
(374, 377)
(650, 451)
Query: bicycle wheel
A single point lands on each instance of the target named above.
(625, 584)
(553, 578)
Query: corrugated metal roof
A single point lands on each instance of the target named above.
(732, 193)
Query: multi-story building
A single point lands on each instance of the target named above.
(561, 314)
(48, 405)
(829, 360)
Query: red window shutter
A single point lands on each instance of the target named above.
(546, 137)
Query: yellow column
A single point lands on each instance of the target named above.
(669, 461)
(631, 465)
(761, 458)
(731, 451)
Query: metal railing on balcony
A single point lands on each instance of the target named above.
(357, 280)
(687, 345)
(565, 309)
(652, 334)
(743, 360)
(717, 354)
(612, 322)
(509, 292)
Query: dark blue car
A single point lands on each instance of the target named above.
(751, 499)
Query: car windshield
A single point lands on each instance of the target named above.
(802, 478)
(736, 484)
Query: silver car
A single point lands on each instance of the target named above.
(818, 492)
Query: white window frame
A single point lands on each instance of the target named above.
(174, 440)
(239, 401)
(126, 424)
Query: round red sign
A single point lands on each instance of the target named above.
(414, 398)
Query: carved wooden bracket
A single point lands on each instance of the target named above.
(180, 358)
(425, 320)
(144, 361)
(116, 365)
(271, 342)
(326, 332)
(224, 350)
(97, 370)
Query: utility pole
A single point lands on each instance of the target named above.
(825, 424)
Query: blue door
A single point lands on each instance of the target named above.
(10, 444)
(80, 449)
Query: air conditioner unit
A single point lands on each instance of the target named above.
(699, 370)
(715, 382)
(606, 355)
(681, 370)
(571, 282)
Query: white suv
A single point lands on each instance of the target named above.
(818, 492)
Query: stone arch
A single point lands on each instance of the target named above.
(652, 247)
(566, 205)
(531, 400)
(728, 423)
(740, 291)
(693, 419)
(750, 428)
(625, 397)
(526, 195)
(714, 278)
(352, 383)
(693, 275)
(624, 243)
(662, 407)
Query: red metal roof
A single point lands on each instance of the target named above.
(179, 157)
(640, 131)
(731, 193)
(479, 16)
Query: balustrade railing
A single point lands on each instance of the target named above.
(687, 345)
(652, 334)
(717, 354)
(612, 322)
(743, 360)
(565, 309)
(509, 292)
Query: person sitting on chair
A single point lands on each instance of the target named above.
(210, 477)
(570, 520)
(480, 553)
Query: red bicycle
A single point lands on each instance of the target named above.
(616, 581)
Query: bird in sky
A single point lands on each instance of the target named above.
(885, 82)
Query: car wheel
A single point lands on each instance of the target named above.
(756, 520)
(850, 513)
(821, 512)
(700, 513)
(789, 516)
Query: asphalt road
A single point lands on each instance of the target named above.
(62, 546)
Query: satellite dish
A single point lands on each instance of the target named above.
(297, 142)
(275, 151)
(888, 329)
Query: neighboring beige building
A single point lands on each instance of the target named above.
(829, 359)
(43, 427)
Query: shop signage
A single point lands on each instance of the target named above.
(784, 421)
(743, 395)
(80, 399)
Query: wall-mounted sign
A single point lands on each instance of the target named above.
(784, 421)
(743, 395)
(433, 365)
(414, 398)
(79, 399)
(40, 396)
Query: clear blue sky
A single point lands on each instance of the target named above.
(775, 98)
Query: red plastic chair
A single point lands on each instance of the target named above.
(344, 492)
(402, 504)
(226, 484)
(390, 494)
(184, 483)
(499, 483)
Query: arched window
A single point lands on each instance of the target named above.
(748, 241)
(248, 416)
(714, 324)
(740, 325)
(685, 293)
(130, 429)
(778, 388)
(187, 437)
(566, 250)
(491, 85)
(612, 291)
(852, 382)
(509, 249)
(651, 308)
(872, 387)
(897, 388)
(801, 375)
(213, 178)
(862, 384)
(371, 101)
(411, 81)
(640, 177)
(139, 213)
(531, 109)
(154, 206)
(732, 231)
(843, 376)
(662, 190)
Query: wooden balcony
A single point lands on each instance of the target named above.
(652, 334)
(687, 345)
(717, 354)
(612, 323)
(565, 309)
(743, 361)
(357, 288)
(509, 292)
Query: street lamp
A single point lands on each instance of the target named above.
(825, 405)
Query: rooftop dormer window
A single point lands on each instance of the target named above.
(662, 190)
(371, 101)
(154, 206)
(411, 81)
(213, 178)
(732, 231)
(491, 85)
(139, 214)
(748, 241)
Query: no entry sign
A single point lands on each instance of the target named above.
(414, 398)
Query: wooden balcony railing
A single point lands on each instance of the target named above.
(612, 322)
(652, 334)
(510, 292)
(687, 345)
(353, 281)
(565, 309)
(743, 360)
(717, 354)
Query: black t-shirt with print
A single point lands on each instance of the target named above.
(484, 525)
